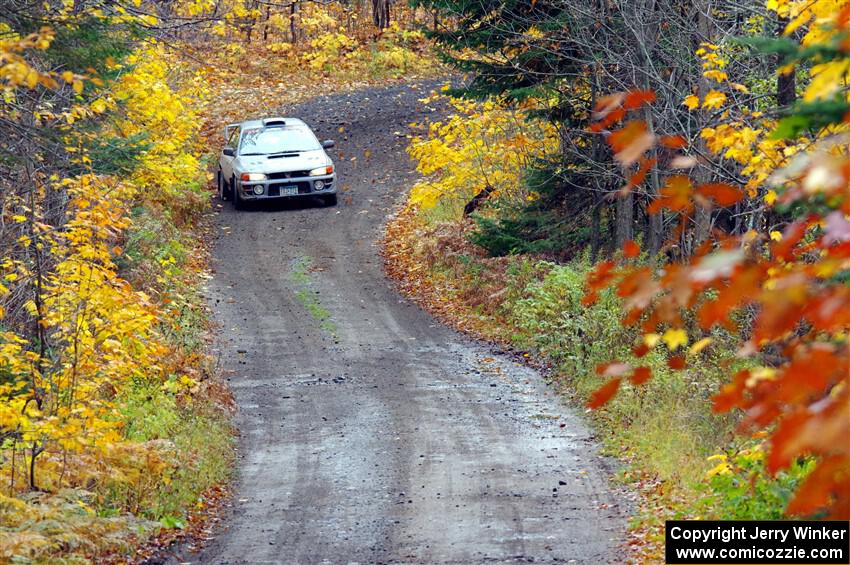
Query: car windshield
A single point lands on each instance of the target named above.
(287, 139)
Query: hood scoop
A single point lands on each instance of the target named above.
(281, 155)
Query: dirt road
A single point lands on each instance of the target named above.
(369, 432)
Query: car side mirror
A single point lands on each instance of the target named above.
(328, 144)
(228, 151)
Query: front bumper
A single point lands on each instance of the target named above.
(283, 188)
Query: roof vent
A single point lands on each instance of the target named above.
(272, 122)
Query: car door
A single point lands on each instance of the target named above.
(228, 152)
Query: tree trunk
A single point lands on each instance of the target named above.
(596, 229)
(381, 13)
(293, 27)
(477, 200)
(701, 174)
(625, 219)
(654, 222)
(786, 84)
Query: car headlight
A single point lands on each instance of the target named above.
(322, 171)
(253, 176)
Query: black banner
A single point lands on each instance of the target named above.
(765, 542)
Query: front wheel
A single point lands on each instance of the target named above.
(223, 191)
(329, 200)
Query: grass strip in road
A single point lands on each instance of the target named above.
(299, 274)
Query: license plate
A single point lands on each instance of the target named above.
(288, 190)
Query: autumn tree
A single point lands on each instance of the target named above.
(565, 55)
(791, 281)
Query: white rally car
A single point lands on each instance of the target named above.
(274, 158)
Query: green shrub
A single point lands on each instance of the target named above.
(192, 452)
(555, 222)
(739, 488)
(667, 422)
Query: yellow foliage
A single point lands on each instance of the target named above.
(171, 117)
(481, 145)
(827, 79)
(714, 100)
(327, 48)
(675, 338)
(99, 334)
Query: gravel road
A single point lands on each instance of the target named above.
(370, 433)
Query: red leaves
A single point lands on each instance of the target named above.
(808, 399)
(641, 375)
(608, 111)
(723, 194)
(607, 104)
(843, 18)
(637, 98)
(630, 142)
(673, 141)
(790, 288)
(638, 287)
(742, 289)
(676, 362)
(678, 194)
(731, 395)
(613, 117)
(790, 238)
(603, 394)
(631, 249)
(826, 483)
(600, 276)
(633, 139)
(644, 166)
(675, 196)
(809, 432)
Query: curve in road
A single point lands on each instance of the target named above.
(370, 433)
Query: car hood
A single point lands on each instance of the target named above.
(263, 164)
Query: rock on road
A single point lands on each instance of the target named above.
(369, 433)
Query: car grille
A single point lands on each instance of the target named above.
(288, 175)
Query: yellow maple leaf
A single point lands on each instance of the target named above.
(99, 106)
(699, 346)
(716, 75)
(675, 338)
(651, 340)
(770, 197)
(713, 100)
(692, 102)
(722, 468)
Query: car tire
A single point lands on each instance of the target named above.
(224, 192)
(329, 200)
(238, 203)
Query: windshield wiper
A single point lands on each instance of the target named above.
(275, 154)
